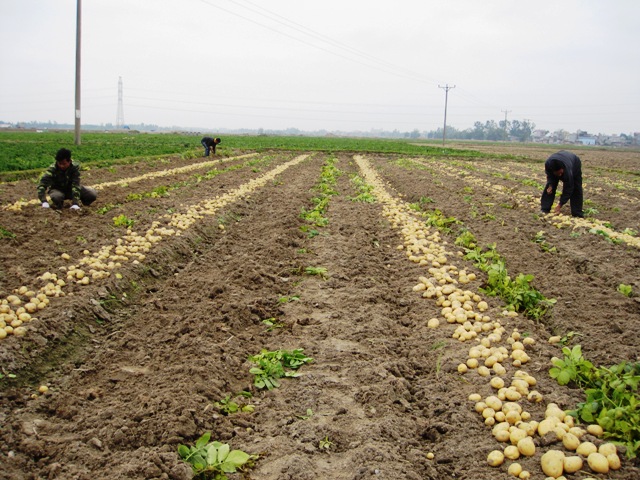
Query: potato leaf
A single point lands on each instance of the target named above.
(203, 440)
(236, 459)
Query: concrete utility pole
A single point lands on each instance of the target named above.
(120, 115)
(78, 37)
(446, 98)
(505, 123)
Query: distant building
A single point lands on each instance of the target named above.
(586, 140)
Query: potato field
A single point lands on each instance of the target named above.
(323, 314)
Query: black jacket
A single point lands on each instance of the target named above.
(67, 181)
(571, 175)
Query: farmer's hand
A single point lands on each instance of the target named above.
(45, 204)
(74, 207)
(557, 209)
(549, 190)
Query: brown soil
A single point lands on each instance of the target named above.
(135, 364)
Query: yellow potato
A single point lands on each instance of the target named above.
(552, 463)
(586, 448)
(572, 464)
(598, 463)
(526, 446)
(496, 458)
(514, 469)
(511, 452)
(607, 449)
(570, 441)
(614, 461)
(475, 397)
(595, 430)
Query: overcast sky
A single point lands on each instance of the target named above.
(338, 65)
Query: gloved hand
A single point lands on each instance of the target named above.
(74, 207)
(45, 204)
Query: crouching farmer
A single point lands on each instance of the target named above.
(62, 182)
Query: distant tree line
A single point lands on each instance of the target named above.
(514, 130)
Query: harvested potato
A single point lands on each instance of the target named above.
(496, 458)
(586, 448)
(598, 463)
(614, 461)
(552, 463)
(572, 464)
(526, 446)
(595, 430)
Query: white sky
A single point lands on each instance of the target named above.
(336, 65)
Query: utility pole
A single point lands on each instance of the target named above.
(120, 116)
(78, 37)
(504, 136)
(446, 97)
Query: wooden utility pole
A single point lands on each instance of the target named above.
(78, 37)
(446, 97)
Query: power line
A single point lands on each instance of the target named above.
(391, 72)
(324, 38)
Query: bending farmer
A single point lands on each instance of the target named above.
(209, 144)
(62, 182)
(566, 167)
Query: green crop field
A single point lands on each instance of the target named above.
(28, 151)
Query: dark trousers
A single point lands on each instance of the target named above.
(208, 148)
(576, 199)
(88, 195)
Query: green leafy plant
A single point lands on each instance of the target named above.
(325, 444)
(442, 223)
(591, 212)
(626, 290)
(272, 324)
(421, 203)
(602, 233)
(363, 190)
(287, 299)
(227, 406)
(531, 183)
(214, 460)
(318, 271)
(310, 231)
(277, 364)
(568, 337)
(123, 221)
(466, 239)
(4, 233)
(572, 368)
(132, 197)
(544, 245)
(611, 396)
(307, 415)
(517, 293)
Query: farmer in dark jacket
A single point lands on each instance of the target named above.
(62, 182)
(209, 144)
(566, 167)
